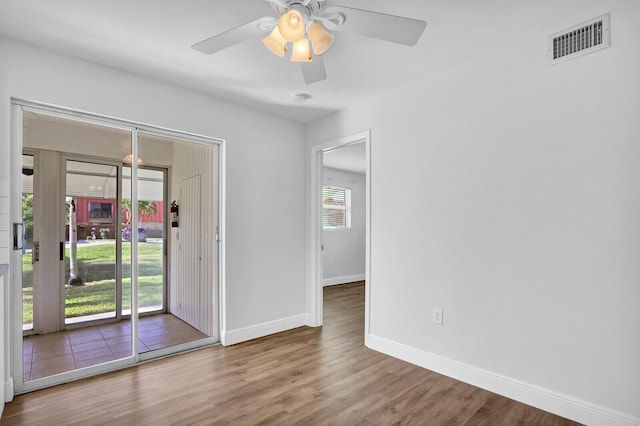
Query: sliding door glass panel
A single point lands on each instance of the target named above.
(71, 184)
(150, 233)
(91, 226)
(28, 171)
(184, 243)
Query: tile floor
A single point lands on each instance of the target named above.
(48, 354)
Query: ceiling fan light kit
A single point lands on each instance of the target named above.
(305, 22)
(291, 26)
(276, 43)
(320, 38)
(301, 52)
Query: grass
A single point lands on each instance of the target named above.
(96, 264)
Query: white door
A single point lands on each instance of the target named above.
(188, 285)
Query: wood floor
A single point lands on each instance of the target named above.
(303, 376)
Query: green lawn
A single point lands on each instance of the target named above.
(96, 264)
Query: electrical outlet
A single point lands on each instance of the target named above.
(437, 316)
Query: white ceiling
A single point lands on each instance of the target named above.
(153, 38)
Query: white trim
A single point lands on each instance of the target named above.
(314, 286)
(343, 279)
(13, 298)
(244, 334)
(134, 245)
(8, 390)
(109, 121)
(222, 243)
(79, 373)
(177, 349)
(545, 399)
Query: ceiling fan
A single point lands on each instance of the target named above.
(304, 22)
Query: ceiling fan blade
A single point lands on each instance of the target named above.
(314, 71)
(235, 35)
(396, 29)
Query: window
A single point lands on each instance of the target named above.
(336, 207)
(100, 212)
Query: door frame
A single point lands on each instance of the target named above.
(315, 246)
(14, 383)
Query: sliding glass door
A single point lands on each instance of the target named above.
(107, 278)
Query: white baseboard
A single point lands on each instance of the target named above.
(231, 337)
(8, 389)
(342, 280)
(544, 399)
(310, 321)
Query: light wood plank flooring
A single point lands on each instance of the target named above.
(304, 376)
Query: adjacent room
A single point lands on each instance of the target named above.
(180, 244)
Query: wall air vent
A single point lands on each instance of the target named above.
(579, 40)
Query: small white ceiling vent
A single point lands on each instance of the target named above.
(579, 40)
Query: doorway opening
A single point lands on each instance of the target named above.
(340, 175)
(343, 214)
(106, 280)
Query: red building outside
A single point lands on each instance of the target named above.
(96, 214)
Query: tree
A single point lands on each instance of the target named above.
(27, 218)
(126, 209)
(27, 211)
(145, 208)
(74, 275)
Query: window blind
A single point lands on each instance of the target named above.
(336, 207)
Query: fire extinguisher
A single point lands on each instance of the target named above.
(174, 214)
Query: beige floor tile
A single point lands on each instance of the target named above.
(152, 333)
(85, 338)
(88, 346)
(120, 347)
(95, 361)
(54, 353)
(148, 327)
(92, 353)
(50, 370)
(52, 363)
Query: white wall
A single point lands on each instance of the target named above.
(263, 263)
(344, 250)
(519, 217)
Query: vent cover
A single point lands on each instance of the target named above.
(579, 40)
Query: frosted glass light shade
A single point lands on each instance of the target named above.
(275, 43)
(291, 26)
(320, 38)
(301, 52)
